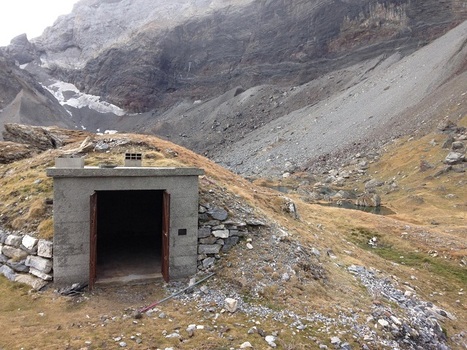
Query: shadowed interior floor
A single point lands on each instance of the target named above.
(125, 263)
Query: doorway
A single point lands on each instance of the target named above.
(129, 235)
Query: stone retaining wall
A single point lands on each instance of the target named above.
(26, 259)
(217, 233)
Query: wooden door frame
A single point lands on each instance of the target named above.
(93, 241)
(165, 270)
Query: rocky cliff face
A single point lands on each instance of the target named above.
(23, 99)
(161, 57)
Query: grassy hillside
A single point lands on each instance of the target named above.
(295, 282)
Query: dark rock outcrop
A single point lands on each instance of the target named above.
(39, 138)
(248, 43)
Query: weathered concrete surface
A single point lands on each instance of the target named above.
(72, 191)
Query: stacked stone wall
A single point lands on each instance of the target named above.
(26, 259)
(218, 233)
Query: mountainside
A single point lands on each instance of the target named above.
(204, 48)
(264, 87)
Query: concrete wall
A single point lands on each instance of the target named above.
(72, 191)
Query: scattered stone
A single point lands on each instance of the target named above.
(270, 339)
(383, 323)
(454, 158)
(173, 335)
(335, 341)
(208, 262)
(231, 304)
(331, 254)
(457, 145)
(246, 345)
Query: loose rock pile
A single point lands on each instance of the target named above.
(419, 328)
(26, 259)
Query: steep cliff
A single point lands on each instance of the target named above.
(162, 58)
(24, 100)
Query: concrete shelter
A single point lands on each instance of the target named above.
(124, 223)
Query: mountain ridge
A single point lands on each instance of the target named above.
(211, 82)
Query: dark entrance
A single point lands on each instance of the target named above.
(129, 235)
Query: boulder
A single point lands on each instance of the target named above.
(368, 200)
(454, 158)
(40, 274)
(8, 272)
(231, 304)
(29, 242)
(218, 214)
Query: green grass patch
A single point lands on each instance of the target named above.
(389, 251)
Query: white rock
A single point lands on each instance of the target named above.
(335, 340)
(249, 246)
(173, 335)
(396, 320)
(40, 274)
(41, 264)
(383, 323)
(270, 339)
(246, 345)
(221, 233)
(29, 242)
(231, 304)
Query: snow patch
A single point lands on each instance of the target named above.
(69, 95)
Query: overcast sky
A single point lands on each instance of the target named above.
(29, 16)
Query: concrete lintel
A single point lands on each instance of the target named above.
(123, 172)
